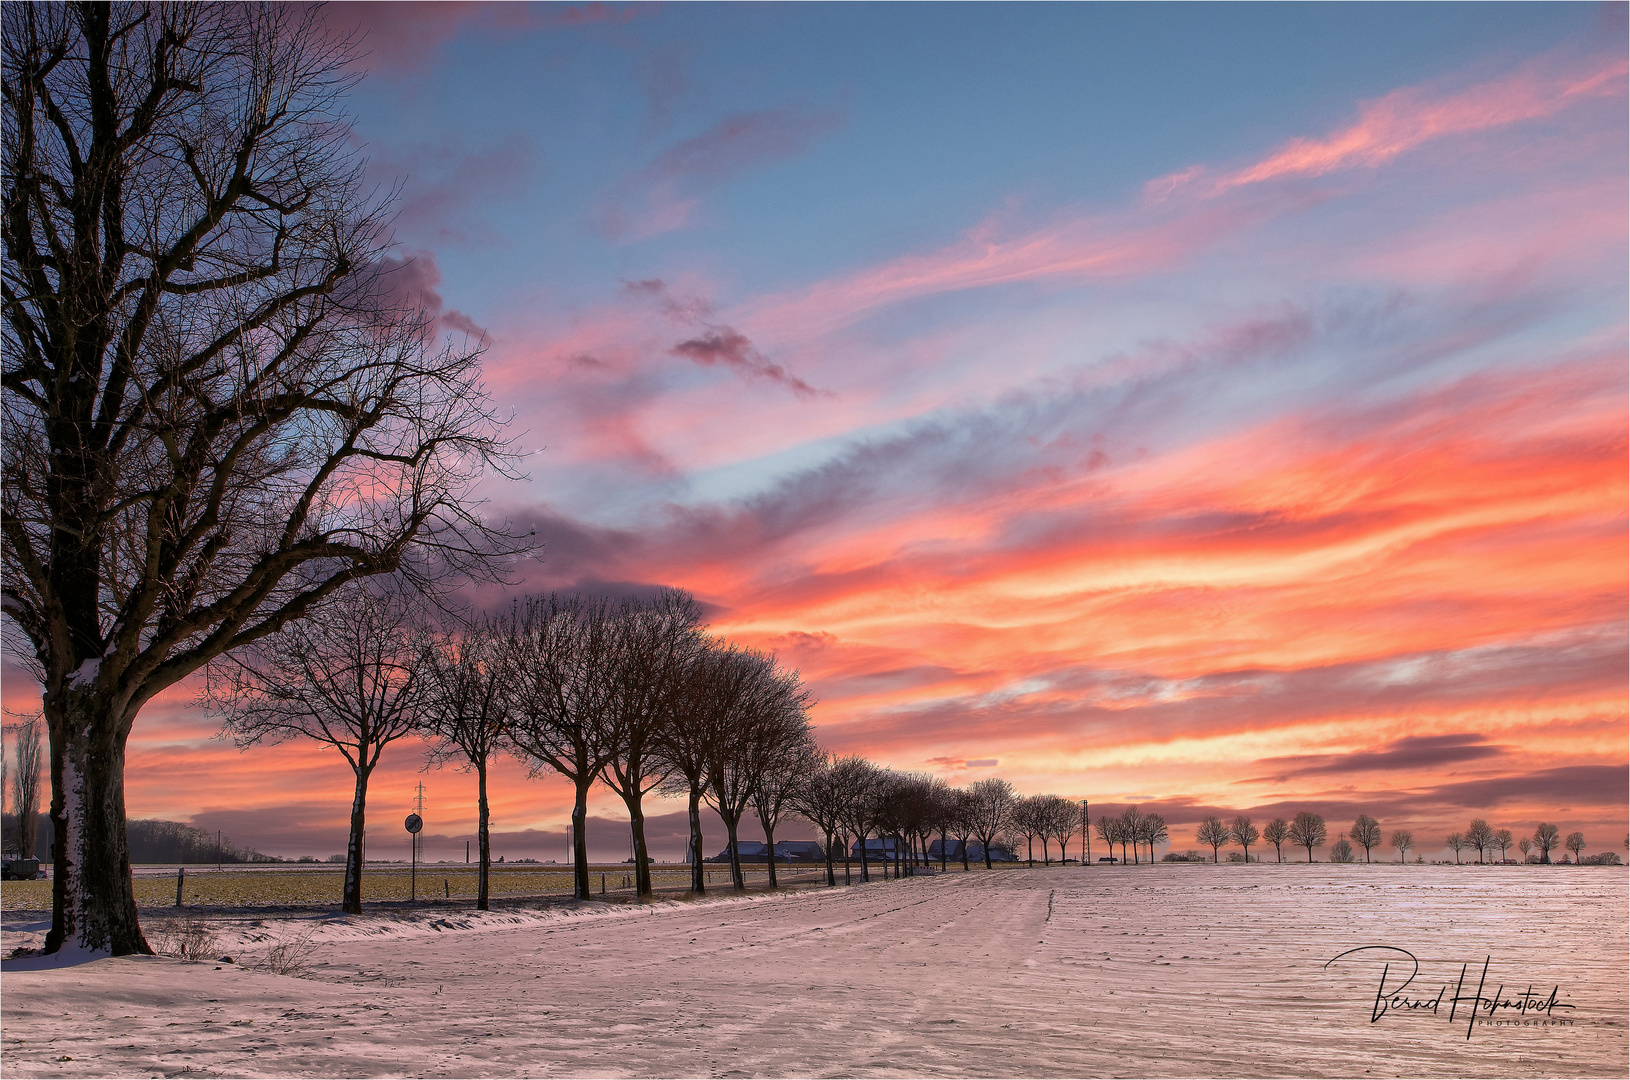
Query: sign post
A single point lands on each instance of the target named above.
(413, 824)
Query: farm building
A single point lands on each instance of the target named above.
(976, 852)
(786, 851)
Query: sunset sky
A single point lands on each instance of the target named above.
(1219, 408)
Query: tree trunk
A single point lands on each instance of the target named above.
(351, 902)
(769, 846)
(865, 871)
(1030, 852)
(642, 861)
(482, 889)
(698, 875)
(731, 823)
(847, 856)
(580, 842)
(93, 901)
(831, 872)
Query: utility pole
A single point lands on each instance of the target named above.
(1086, 837)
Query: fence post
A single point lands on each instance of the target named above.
(180, 877)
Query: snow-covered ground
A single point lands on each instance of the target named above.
(1169, 970)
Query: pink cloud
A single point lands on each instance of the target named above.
(1411, 117)
(413, 280)
(1082, 248)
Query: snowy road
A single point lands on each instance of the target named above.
(1126, 971)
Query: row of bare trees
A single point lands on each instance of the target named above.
(1308, 830)
(1132, 828)
(631, 693)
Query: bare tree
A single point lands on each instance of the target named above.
(1276, 832)
(756, 700)
(215, 412)
(820, 798)
(466, 716)
(562, 654)
(993, 800)
(1131, 825)
(1243, 833)
(1525, 845)
(688, 742)
(934, 816)
(1403, 840)
(1063, 821)
(960, 821)
(790, 758)
(1457, 844)
(1342, 850)
(349, 675)
(1026, 821)
(1109, 831)
(1153, 832)
(1503, 838)
(1575, 843)
(1480, 835)
(653, 642)
(1213, 832)
(1546, 838)
(1306, 830)
(861, 781)
(1366, 832)
(25, 782)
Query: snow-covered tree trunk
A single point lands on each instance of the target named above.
(93, 900)
(351, 902)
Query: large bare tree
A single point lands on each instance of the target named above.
(1366, 831)
(993, 801)
(1276, 832)
(862, 783)
(215, 414)
(350, 675)
(1306, 829)
(760, 704)
(563, 653)
(790, 759)
(819, 798)
(688, 742)
(653, 641)
(1213, 832)
(466, 716)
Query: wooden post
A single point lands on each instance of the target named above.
(180, 879)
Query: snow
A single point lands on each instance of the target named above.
(1170, 970)
(86, 673)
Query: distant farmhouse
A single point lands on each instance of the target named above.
(976, 852)
(786, 851)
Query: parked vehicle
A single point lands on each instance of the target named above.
(21, 870)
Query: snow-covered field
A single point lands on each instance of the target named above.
(1170, 970)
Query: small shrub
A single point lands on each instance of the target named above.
(1184, 856)
(291, 955)
(1341, 851)
(189, 939)
(1606, 858)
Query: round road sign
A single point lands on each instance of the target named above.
(413, 823)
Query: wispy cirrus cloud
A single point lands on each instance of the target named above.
(1408, 118)
(665, 195)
